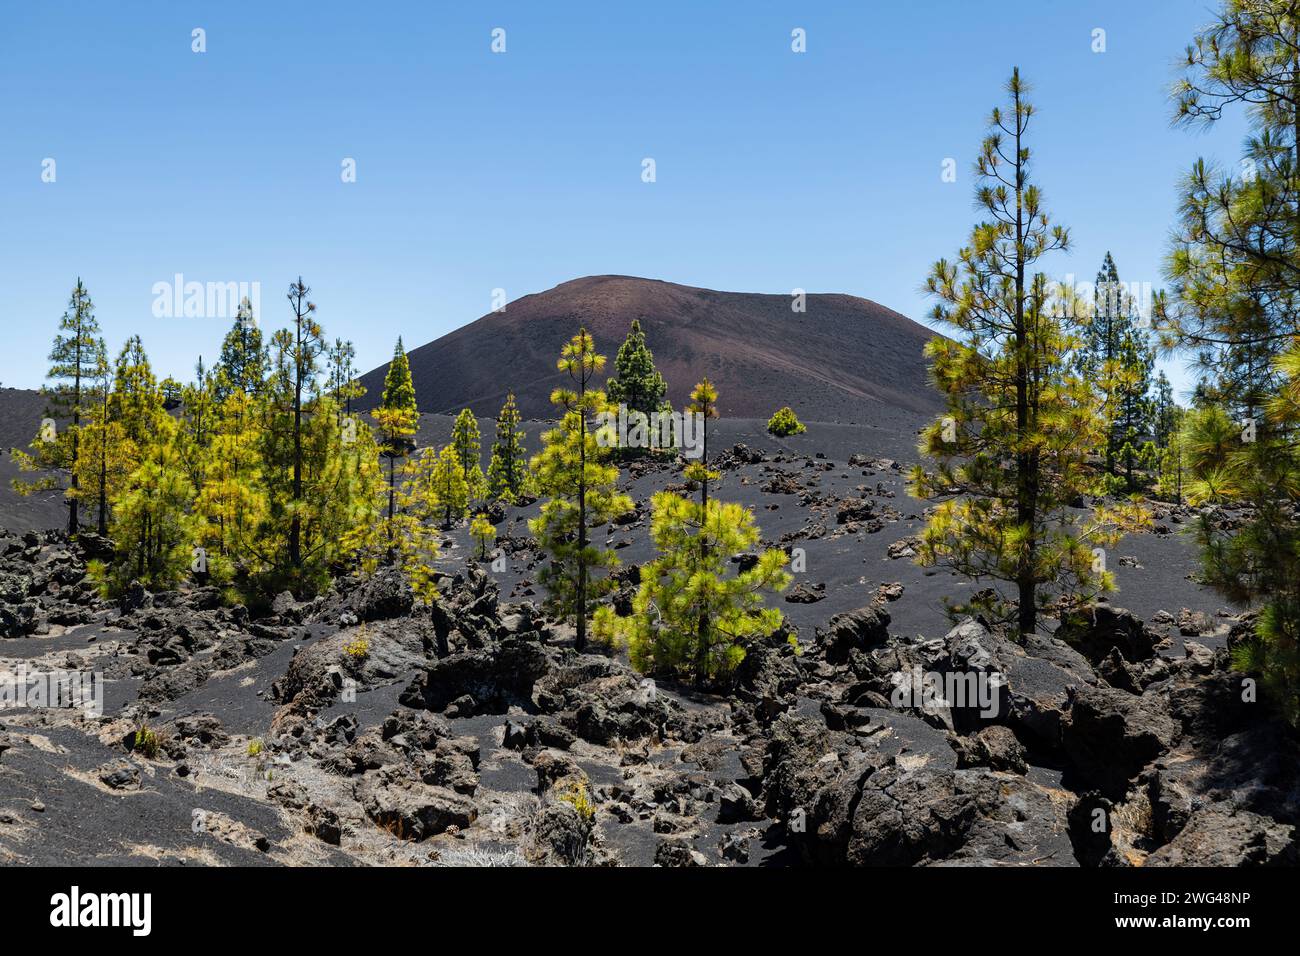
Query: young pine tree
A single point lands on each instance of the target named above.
(508, 467)
(573, 473)
(77, 357)
(1011, 452)
(153, 531)
(1130, 410)
(1173, 459)
(636, 384)
(233, 499)
(418, 538)
(319, 475)
(694, 612)
(467, 443)
(102, 463)
(396, 419)
(1164, 411)
(137, 403)
(197, 423)
(448, 485)
(482, 531)
(344, 387)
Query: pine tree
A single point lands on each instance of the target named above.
(1234, 302)
(136, 403)
(1165, 412)
(1118, 358)
(298, 350)
(418, 538)
(1129, 409)
(691, 617)
(319, 476)
(243, 364)
(637, 384)
(693, 580)
(233, 501)
(508, 467)
(467, 443)
(481, 530)
(1172, 458)
(197, 422)
(102, 463)
(1011, 451)
(397, 419)
(152, 529)
(448, 485)
(581, 488)
(344, 387)
(77, 357)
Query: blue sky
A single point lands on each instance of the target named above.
(478, 171)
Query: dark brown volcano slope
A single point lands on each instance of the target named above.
(844, 360)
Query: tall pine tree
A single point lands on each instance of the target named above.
(397, 419)
(1234, 270)
(1011, 451)
(78, 356)
(573, 473)
(508, 467)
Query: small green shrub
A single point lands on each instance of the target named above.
(146, 742)
(785, 423)
(575, 794)
(358, 648)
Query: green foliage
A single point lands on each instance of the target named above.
(636, 383)
(1233, 302)
(482, 531)
(465, 440)
(1165, 412)
(573, 472)
(396, 419)
(243, 363)
(693, 580)
(694, 613)
(357, 649)
(576, 795)
(785, 423)
(342, 383)
(146, 742)
(508, 468)
(77, 358)
(418, 537)
(1011, 453)
(447, 484)
(153, 527)
(1116, 356)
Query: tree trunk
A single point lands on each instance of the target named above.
(702, 635)
(580, 639)
(1026, 504)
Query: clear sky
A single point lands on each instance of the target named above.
(520, 170)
